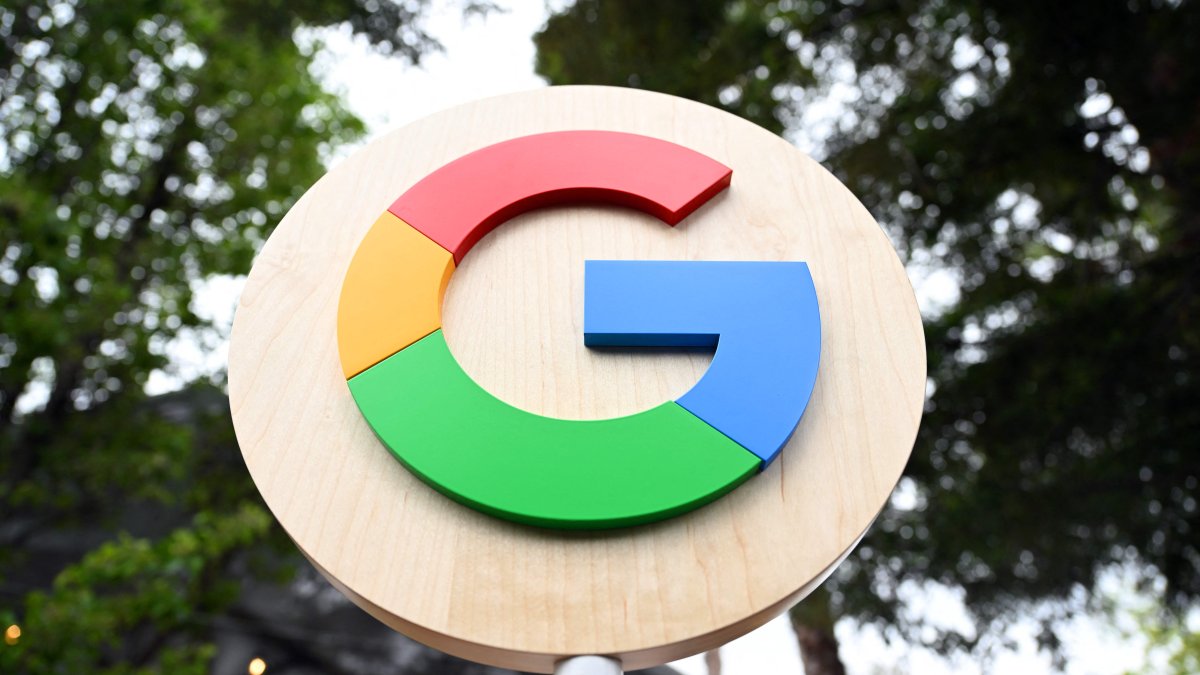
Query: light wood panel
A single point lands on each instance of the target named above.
(522, 597)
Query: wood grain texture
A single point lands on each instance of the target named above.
(522, 597)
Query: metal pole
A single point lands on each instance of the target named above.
(588, 665)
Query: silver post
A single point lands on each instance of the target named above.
(588, 665)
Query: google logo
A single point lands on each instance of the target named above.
(762, 318)
(445, 507)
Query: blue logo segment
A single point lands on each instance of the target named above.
(761, 316)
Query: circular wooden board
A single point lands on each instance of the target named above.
(522, 597)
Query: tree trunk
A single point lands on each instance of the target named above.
(813, 623)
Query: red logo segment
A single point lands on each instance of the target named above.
(462, 201)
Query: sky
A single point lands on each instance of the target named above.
(494, 55)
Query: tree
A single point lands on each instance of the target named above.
(1176, 644)
(144, 146)
(1046, 158)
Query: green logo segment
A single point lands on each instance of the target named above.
(539, 470)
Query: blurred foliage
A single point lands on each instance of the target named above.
(144, 146)
(1042, 161)
(129, 583)
(1174, 643)
(1171, 639)
(701, 49)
